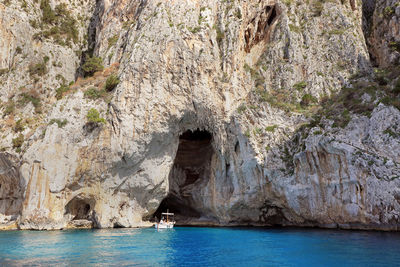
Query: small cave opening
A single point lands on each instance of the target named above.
(117, 225)
(191, 168)
(79, 209)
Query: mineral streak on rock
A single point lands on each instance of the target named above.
(226, 113)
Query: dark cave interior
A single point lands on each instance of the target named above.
(80, 209)
(192, 163)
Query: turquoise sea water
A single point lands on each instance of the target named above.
(187, 246)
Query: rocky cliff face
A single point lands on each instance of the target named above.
(226, 113)
(383, 32)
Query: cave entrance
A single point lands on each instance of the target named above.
(79, 209)
(192, 168)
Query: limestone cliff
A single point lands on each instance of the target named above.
(226, 113)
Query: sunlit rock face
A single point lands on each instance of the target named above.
(213, 119)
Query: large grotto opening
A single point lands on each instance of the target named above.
(191, 169)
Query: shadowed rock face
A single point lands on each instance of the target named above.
(216, 116)
(261, 26)
(383, 34)
(193, 158)
(191, 169)
(11, 188)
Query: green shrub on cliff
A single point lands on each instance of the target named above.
(111, 82)
(92, 65)
(94, 93)
(18, 142)
(93, 116)
(61, 90)
(388, 11)
(395, 46)
(271, 128)
(19, 126)
(48, 15)
(300, 86)
(307, 99)
(60, 123)
(112, 40)
(57, 24)
(38, 69)
(32, 97)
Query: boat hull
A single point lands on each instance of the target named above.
(164, 226)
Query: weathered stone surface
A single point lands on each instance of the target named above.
(208, 121)
(11, 188)
(385, 32)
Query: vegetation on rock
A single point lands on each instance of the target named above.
(271, 128)
(93, 116)
(111, 82)
(18, 142)
(94, 93)
(307, 99)
(92, 65)
(31, 97)
(60, 91)
(60, 123)
(58, 24)
(39, 69)
(19, 126)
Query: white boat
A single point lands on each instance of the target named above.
(167, 221)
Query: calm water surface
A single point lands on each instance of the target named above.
(188, 246)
